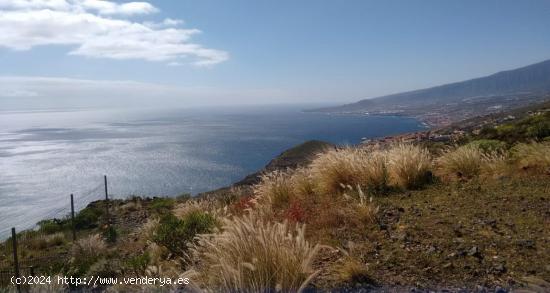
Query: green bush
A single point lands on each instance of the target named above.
(488, 146)
(184, 197)
(88, 218)
(139, 263)
(535, 127)
(174, 233)
(110, 235)
(52, 226)
(162, 204)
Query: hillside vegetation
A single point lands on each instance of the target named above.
(471, 214)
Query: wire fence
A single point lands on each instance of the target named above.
(41, 251)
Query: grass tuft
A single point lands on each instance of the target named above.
(252, 255)
(463, 162)
(535, 156)
(409, 165)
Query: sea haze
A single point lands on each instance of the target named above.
(47, 155)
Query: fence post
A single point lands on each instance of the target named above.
(106, 201)
(15, 260)
(72, 218)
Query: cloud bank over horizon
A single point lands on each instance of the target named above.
(102, 29)
(21, 92)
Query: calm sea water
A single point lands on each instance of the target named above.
(47, 155)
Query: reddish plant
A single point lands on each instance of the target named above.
(242, 204)
(295, 213)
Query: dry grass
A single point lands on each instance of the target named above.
(534, 156)
(252, 255)
(275, 190)
(147, 231)
(462, 162)
(91, 246)
(366, 209)
(336, 169)
(207, 204)
(302, 183)
(495, 165)
(374, 172)
(408, 165)
(43, 241)
(351, 270)
(470, 161)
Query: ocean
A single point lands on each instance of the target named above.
(45, 155)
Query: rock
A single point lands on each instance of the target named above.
(491, 223)
(474, 251)
(526, 243)
(448, 265)
(499, 269)
(458, 240)
(461, 252)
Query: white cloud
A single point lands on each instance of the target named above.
(62, 92)
(92, 26)
(18, 93)
(108, 7)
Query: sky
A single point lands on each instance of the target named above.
(56, 53)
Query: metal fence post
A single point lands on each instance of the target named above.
(72, 218)
(106, 201)
(15, 260)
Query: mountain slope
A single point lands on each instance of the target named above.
(526, 83)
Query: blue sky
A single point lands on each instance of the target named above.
(259, 51)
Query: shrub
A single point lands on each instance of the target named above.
(88, 218)
(184, 197)
(251, 255)
(139, 263)
(535, 127)
(409, 165)
(295, 212)
(489, 146)
(52, 226)
(162, 204)
(110, 234)
(175, 234)
(532, 156)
